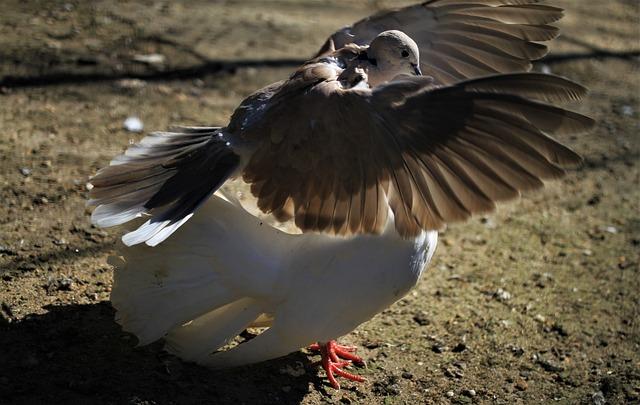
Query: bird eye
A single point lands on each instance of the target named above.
(405, 53)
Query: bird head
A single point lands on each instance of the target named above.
(390, 54)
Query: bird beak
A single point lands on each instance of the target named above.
(416, 70)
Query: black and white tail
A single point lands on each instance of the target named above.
(166, 176)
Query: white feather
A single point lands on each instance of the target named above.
(224, 269)
(166, 231)
(145, 232)
(115, 214)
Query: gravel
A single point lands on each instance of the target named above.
(421, 318)
(597, 398)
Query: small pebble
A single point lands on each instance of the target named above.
(521, 384)
(597, 398)
(421, 318)
(623, 263)
(469, 393)
(548, 366)
(502, 295)
(627, 110)
(25, 171)
(488, 223)
(65, 284)
(133, 124)
(387, 387)
(517, 351)
(150, 59)
(93, 296)
(460, 364)
(453, 373)
(371, 344)
(59, 284)
(450, 394)
(130, 84)
(407, 375)
(438, 348)
(559, 329)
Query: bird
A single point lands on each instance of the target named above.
(402, 123)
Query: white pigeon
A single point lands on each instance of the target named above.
(402, 123)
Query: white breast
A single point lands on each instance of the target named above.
(334, 285)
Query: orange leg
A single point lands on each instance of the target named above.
(331, 353)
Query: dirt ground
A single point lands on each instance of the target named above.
(537, 303)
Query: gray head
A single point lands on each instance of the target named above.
(392, 53)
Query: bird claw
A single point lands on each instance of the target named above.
(331, 353)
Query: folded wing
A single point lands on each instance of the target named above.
(463, 39)
(336, 160)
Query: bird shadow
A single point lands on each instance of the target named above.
(78, 354)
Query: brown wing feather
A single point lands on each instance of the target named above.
(339, 160)
(461, 39)
(165, 177)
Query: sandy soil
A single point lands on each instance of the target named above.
(536, 303)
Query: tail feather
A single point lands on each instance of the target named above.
(156, 290)
(201, 277)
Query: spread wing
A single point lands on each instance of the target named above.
(336, 160)
(165, 177)
(463, 39)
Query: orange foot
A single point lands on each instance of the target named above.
(331, 353)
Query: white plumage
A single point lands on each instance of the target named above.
(225, 269)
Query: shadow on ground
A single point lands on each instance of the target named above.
(210, 67)
(78, 354)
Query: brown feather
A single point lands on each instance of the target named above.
(459, 40)
(432, 155)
